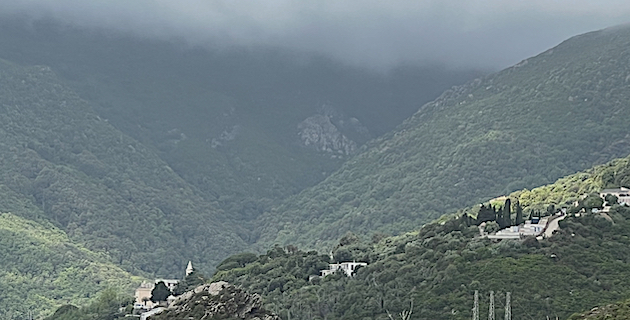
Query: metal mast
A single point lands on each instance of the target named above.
(491, 307)
(508, 307)
(476, 306)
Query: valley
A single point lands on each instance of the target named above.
(123, 158)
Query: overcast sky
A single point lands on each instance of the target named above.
(472, 33)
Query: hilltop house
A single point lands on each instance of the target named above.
(143, 293)
(347, 267)
(532, 227)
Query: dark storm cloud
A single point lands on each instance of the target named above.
(480, 33)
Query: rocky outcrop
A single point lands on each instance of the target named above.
(218, 300)
(329, 131)
(319, 133)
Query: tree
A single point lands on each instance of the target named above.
(160, 292)
(242, 259)
(611, 199)
(519, 214)
(191, 281)
(486, 214)
(506, 215)
(491, 227)
(507, 212)
(593, 201)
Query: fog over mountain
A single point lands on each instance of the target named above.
(478, 33)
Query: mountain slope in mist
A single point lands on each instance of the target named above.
(227, 120)
(559, 112)
(105, 189)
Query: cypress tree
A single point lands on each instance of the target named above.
(519, 214)
(507, 212)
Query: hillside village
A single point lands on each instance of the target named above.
(540, 227)
(144, 295)
(543, 227)
(146, 304)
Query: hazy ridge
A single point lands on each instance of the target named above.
(551, 115)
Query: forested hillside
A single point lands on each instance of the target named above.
(562, 111)
(436, 269)
(226, 119)
(60, 162)
(40, 269)
(613, 311)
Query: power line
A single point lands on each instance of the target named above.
(476, 306)
(508, 306)
(491, 307)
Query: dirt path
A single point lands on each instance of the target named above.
(553, 226)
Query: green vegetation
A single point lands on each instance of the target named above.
(230, 303)
(190, 282)
(64, 164)
(40, 269)
(560, 112)
(160, 292)
(184, 102)
(616, 311)
(109, 305)
(116, 161)
(586, 263)
(570, 189)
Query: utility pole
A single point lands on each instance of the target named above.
(491, 307)
(508, 306)
(476, 306)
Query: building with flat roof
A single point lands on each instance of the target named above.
(143, 292)
(347, 267)
(532, 227)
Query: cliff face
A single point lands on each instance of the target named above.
(218, 300)
(332, 132)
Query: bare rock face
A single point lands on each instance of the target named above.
(218, 300)
(318, 132)
(328, 130)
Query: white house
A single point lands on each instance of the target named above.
(143, 293)
(347, 267)
(529, 228)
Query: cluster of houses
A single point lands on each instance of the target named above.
(540, 227)
(143, 293)
(537, 227)
(534, 227)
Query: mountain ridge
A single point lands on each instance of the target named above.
(550, 115)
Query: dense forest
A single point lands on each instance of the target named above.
(42, 268)
(125, 167)
(226, 121)
(122, 159)
(616, 311)
(435, 270)
(62, 163)
(560, 112)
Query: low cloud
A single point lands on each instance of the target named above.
(475, 33)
